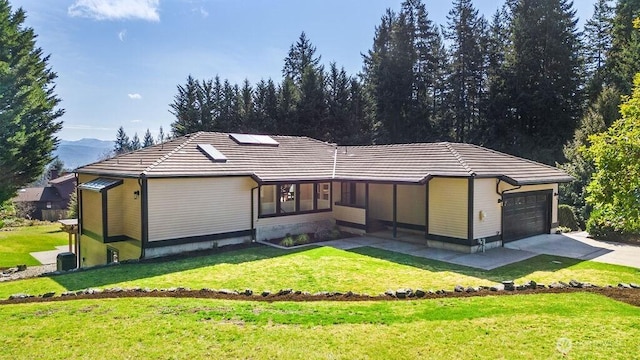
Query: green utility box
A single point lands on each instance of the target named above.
(66, 261)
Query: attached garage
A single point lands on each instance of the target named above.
(526, 214)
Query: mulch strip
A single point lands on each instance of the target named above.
(630, 296)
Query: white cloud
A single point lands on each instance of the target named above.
(204, 13)
(116, 9)
(135, 96)
(122, 34)
(136, 121)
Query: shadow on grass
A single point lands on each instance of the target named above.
(508, 272)
(55, 231)
(134, 271)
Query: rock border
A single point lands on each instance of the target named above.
(622, 291)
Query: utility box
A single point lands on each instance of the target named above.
(66, 261)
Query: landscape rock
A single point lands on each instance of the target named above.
(508, 285)
(564, 284)
(634, 285)
(575, 283)
(390, 293)
(227, 292)
(48, 295)
(498, 287)
(247, 292)
(284, 292)
(557, 285)
(532, 284)
(68, 293)
(458, 288)
(402, 293)
(522, 287)
(19, 296)
(265, 293)
(420, 293)
(624, 286)
(471, 289)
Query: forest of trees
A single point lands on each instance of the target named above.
(526, 81)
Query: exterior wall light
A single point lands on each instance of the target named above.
(136, 194)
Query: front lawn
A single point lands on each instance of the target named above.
(364, 270)
(17, 243)
(543, 326)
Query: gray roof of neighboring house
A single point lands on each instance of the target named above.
(63, 178)
(38, 194)
(301, 158)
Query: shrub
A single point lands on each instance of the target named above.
(335, 233)
(287, 241)
(563, 229)
(567, 217)
(302, 239)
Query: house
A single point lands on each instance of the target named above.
(49, 202)
(213, 189)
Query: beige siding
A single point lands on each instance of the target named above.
(115, 210)
(335, 190)
(486, 203)
(361, 194)
(92, 212)
(185, 207)
(552, 187)
(381, 202)
(294, 219)
(448, 207)
(130, 208)
(411, 204)
(350, 214)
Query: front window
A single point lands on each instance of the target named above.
(294, 198)
(288, 198)
(348, 193)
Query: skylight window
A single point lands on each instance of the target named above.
(249, 139)
(214, 154)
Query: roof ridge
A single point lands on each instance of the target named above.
(458, 157)
(517, 157)
(187, 141)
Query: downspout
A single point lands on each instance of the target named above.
(144, 214)
(335, 160)
(501, 201)
(253, 230)
(79, 216)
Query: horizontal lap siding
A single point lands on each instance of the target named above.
(411, 204)
(350, 214)
(198, 206)
(381, 202)
(448, 207)
(92, 212)
(294, 219)
(131, 218)
(486, 201)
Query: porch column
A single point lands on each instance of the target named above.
(395, 210)
(366, 207)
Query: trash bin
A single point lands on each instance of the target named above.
(66, 261)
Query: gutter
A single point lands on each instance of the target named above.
(144, 214)
(335, 160)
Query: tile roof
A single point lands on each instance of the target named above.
(302, 158)
(63, 178)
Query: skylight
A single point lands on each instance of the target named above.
(214, 154)
(249, 139)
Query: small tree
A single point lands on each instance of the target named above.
(148, 139)
(72, 209)
(122, 144)
(614, 191)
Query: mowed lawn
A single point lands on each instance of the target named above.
(364, 270)
(543, 326)
(17, 243)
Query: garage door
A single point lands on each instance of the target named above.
(526, 214)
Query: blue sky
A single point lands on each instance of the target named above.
(119, 61)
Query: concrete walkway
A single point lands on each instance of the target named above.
(49, 256)
(574, 245)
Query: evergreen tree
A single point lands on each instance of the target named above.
(311, 110)
(246, 115)
(28, 104)
(287, 122)
(162, 137)
(543, 81)
(148, 139)
(623, 59)
(185, 108)
(467, 33)
(597, 35)
(338, 106)
(265, 107)
(135, 142)
(301, 55)
(122, 144)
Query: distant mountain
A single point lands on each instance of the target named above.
(82, 152)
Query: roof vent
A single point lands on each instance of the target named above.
(248, 139)
(214, 154)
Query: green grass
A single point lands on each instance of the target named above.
(17, 243)
(509, 327)
(364, 270)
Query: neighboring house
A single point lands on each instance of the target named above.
(213, 189)
(49, 202)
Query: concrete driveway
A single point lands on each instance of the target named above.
(574, 245)
(578, 246)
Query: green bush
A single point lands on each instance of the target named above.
(287, 241)
(302, 239)
(567, 217)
